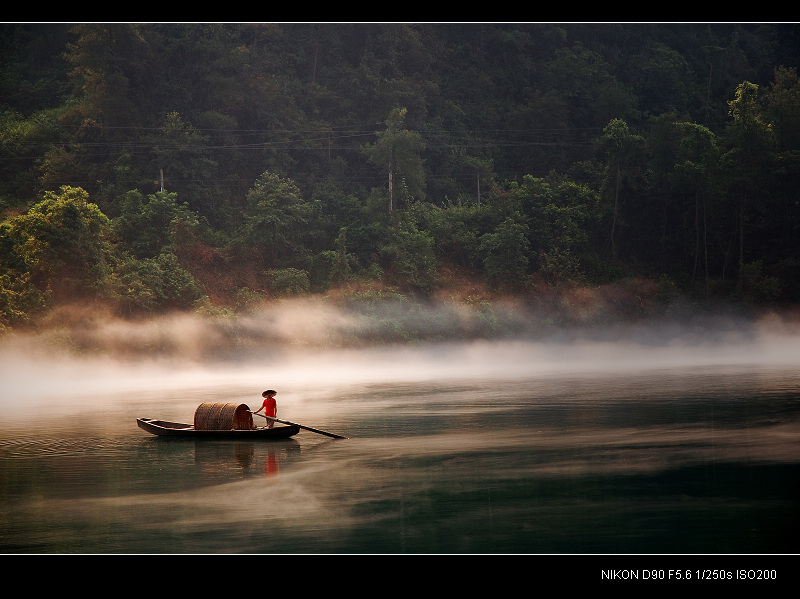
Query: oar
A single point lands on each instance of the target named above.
(308, 428)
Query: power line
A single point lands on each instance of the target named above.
(308, 143)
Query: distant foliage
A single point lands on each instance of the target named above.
(288, 281)
(60, 247)
(163, 166)
(506, 256)
(150, 284)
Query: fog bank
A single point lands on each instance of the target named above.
(318, 344)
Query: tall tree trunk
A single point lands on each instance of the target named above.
(705, 247)
(696, 235)
(740, 283)
(391, 187)
(614, 216)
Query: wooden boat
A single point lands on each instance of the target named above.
(177, 429)
(218, 421)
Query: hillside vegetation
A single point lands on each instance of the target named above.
(584, 171)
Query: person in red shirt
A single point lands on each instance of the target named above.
(269, 405)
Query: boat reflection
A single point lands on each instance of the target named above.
(221, 459)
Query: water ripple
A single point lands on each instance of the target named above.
(27, 448)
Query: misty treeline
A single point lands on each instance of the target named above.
(208, 167)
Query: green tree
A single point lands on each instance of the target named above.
(276, 219)
(660, 77)
(695, 174)
(506, 256)
(111, 102)
(22, 169)
(622, 149)
(144, 225)
(62, 241)
(399, 150)
(457, 229)
(109, 69)
(149, 285)
(781, 218)
(19, 299)
(412, 262)
(333, 267)
(560, 213)
(782, 108)
(748, 158)
(341, 269)
(288, 281)
(582, 80)
(188, 166)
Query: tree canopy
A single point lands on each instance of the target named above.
(158, 165)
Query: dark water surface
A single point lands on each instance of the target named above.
(506, 449)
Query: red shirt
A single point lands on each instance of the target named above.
(271, 405)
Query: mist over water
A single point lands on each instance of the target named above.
(537, 439)
(317, 349)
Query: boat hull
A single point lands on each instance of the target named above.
(163, 428)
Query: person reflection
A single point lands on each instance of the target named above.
(272, 463)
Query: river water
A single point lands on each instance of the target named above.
(566, 447)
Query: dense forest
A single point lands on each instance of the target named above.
(211, 167)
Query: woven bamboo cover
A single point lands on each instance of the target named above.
(222, 417)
